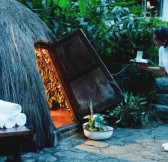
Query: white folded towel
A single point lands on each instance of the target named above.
(10, 123)
(3, 119)
(20, 119)
(7, 121)
(165, 146)
(10, 108)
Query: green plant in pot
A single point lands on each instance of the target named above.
(97, 127)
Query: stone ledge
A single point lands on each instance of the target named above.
(160, 112)
(162, 99)
(162, 85)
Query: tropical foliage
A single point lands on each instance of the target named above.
(132, 112)
(96, 122)
(116, 29)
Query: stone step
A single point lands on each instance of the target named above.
(162, 85)
(162, 99)
(160, 112)
(67, 131)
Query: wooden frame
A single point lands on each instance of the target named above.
(84, 76)
(48, 46)
(11, 140)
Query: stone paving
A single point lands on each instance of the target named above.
(126, 145)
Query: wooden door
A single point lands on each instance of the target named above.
(84, 76)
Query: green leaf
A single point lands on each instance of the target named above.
(63, 3)
(56, 1)
(146, 117)
(118, 121)
(82, 7)
(30, 4)
(49, 2)
(86, 117)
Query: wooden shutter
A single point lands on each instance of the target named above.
(84, 76)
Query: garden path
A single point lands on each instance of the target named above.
(125, 145)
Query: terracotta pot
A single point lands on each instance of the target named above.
(99, 135)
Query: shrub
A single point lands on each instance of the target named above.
(115, 29)
(131, 112)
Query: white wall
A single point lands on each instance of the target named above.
(165, 10)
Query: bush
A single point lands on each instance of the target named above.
(112, 28)
(135, 80)
(132, 112)
(115, 29)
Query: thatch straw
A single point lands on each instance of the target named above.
(20, 81)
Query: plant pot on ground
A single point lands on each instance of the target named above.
(97, 127)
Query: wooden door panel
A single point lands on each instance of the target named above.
(72, 61)
(84, 75)
(97, 89)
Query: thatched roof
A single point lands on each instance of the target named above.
(20, 80)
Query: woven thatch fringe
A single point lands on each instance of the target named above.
(20, 80)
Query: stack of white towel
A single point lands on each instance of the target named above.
(165, 146)
(10, 115)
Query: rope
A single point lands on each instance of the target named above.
(121, 70)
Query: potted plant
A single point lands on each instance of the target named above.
(97, 127)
